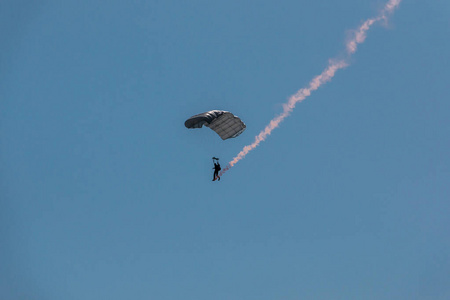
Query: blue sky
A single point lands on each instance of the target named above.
(104, 194)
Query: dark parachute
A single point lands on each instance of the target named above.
(224, 123)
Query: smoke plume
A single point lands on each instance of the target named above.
(358, 36)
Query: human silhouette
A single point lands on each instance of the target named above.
(216, 168)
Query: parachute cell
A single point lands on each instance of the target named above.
(224, 123)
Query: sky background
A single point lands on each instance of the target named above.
(104, 194)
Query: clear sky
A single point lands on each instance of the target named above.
(104, 194)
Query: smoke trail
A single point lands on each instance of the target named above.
(359, 35)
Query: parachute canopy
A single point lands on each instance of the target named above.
(224, 123)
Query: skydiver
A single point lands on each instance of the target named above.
(216, 169)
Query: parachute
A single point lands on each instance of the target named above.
(224, 123)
